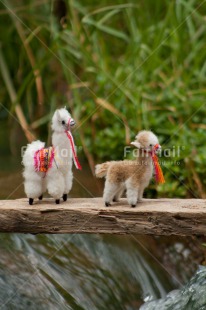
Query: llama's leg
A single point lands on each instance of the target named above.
(110, 189)
(55, 184)
(118, 195)
(44, 186)
(132, 194)
(140, 193)
(32, 185)
(68, 180)
(141, 190)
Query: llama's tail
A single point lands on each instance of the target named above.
(28, 156)
(101, 169)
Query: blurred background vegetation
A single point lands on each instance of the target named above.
(120, 67)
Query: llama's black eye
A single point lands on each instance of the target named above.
(150, 145)
(63, 122)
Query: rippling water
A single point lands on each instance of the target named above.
(77, 272)
(191, 297)
(94, 272)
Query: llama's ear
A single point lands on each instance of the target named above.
(137, 144)
(68, 109)
(58, 115)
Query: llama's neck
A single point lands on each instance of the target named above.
(143, 158)
(62, 146)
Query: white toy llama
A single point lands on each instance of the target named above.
(51, 168)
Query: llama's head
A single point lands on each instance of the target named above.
(146, 140)
(62, 120)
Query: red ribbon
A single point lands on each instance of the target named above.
(71, 140)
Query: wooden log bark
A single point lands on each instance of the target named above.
(88, 215)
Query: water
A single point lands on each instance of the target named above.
(75, 272)
(93, 272)
(191, 297)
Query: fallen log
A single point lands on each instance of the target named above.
(88, 215)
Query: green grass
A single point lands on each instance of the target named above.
(145, 59)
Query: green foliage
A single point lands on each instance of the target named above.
(145, 58)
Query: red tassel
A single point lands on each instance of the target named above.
(159, 177)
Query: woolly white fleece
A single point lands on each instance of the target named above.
(58, 179)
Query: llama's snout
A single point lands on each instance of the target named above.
(72, 122)
(157, 148)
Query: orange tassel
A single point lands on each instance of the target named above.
(158, 171)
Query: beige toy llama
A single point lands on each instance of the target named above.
(132, 175)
